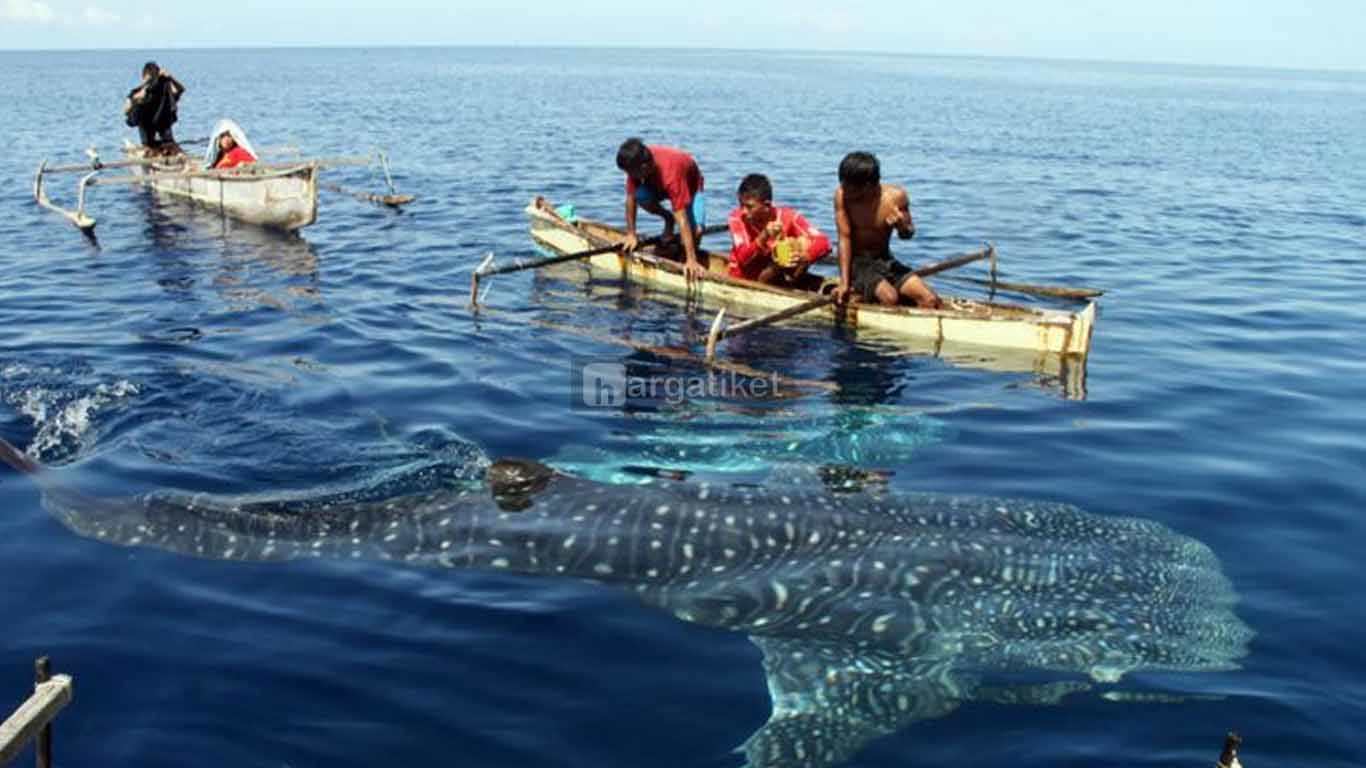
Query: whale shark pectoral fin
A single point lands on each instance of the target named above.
(831, 700)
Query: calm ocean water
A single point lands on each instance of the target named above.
(1223, 210)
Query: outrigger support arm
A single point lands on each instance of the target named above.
(78, 216)
(393, 199)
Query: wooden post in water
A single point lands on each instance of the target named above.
(42, 672)
(1229, 757)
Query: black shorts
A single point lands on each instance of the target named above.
(870, 269)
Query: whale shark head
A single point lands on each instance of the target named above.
(513, 482)
(872, 609)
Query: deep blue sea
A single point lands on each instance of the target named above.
(1223, 211)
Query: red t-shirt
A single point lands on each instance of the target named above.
(235, 157)
(676, 176)
(748, 259)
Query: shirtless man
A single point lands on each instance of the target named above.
(866, 212)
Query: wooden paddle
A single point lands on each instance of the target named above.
(717, 333)
(517, 266)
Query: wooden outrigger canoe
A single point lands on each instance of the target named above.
(283, 198)
(280, 196)
(964, 328)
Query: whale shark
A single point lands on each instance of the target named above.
(872, 610)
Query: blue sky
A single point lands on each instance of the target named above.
(1313, 34)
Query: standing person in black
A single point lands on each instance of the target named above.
(151, 108)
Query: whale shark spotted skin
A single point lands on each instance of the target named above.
(872, 611)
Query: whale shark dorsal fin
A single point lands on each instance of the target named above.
(514, 481)
(829, 700)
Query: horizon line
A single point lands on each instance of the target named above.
(719, 49)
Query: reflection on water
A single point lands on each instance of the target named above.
(871, 362)
(752, 442)
(253, 266)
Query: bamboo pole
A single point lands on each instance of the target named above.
(231, 174)
(32, 721)
(517, 266)
(97, 165)
(719, 334)
(988, 252)
(393, 200)
(1052, 291)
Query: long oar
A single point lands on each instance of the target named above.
(718, 333)
(485, 271)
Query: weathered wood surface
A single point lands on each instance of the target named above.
(33, 715)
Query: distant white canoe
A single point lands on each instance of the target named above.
(280, 198)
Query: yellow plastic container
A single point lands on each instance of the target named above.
(785, 252)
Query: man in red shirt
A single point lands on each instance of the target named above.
(656, 173)
(770, 243)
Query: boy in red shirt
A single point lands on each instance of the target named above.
(770, 243)
(231, 154)
(653, 174)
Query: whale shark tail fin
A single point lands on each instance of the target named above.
(17, 459)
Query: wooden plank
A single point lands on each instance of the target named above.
(33, 715)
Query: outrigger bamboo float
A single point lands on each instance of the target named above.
(280, 196)
(962, 326)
